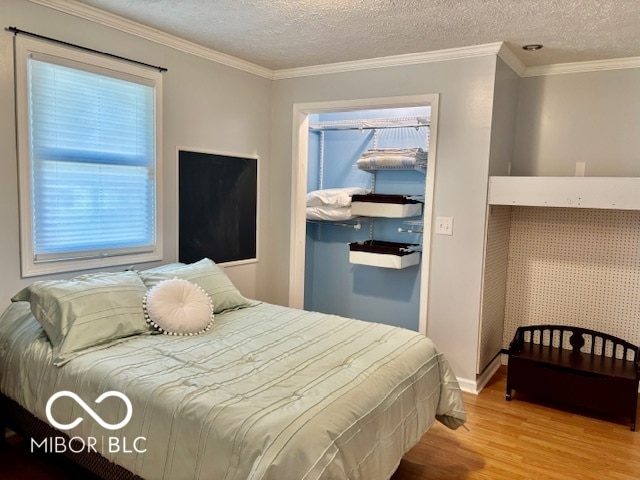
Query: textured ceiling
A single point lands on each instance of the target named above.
(280, 34)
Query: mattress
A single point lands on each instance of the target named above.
(269, 393)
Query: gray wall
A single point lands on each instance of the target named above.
(464, 129)
(503, 124)
(206, 106)
(583, 117)
(503, 127)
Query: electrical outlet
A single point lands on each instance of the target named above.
(444, 225)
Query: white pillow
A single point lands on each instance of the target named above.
(329, 214)
(333, 197)
(178, 307)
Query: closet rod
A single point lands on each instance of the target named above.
(373, 124)
(17, 31)
(355, 225)
(409, 230)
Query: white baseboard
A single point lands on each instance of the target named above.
(467, 385)
(475, 386)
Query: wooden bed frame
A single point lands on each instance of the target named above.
(22, 422)
(602, 376)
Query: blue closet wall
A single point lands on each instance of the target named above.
(332, 284)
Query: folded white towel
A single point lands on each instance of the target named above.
(329, 214)
(333, 197)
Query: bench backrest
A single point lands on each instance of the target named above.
(578, 340)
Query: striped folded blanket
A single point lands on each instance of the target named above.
(392, 158)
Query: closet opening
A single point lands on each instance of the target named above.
(362, 203)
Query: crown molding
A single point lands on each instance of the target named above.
(510, 58)
(101, 17)
(391, 61)
(116, 22)
(582, 67)
(500, 49)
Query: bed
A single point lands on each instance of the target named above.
(265, 392)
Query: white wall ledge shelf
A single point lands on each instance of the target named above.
(617, 193)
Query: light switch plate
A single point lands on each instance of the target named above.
(444, 225)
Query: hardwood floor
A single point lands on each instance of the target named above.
(505, 440)
(522, 440)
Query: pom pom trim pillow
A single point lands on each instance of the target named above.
(207, 275)
(178, 307)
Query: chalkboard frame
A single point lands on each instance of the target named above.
(199, 214)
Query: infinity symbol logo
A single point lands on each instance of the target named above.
(89, 410)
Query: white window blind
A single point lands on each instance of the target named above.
(92, 162)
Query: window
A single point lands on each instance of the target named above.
(88, 150)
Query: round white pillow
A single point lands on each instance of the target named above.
(178, 307)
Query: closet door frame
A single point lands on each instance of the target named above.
(300, 135)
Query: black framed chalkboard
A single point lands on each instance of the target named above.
(217, 207)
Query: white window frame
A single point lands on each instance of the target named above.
(25, 48)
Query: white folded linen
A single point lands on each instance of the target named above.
(325, 213)
(417, 152)
(333, 197)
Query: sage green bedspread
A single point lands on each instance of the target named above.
(269, 393)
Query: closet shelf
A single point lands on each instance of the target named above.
(378, 253)
(618, 193)
(373, 124)
(385, 205)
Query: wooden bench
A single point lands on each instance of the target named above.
(577, 367)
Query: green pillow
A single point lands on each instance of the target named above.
(206, 274)
(87, 311)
